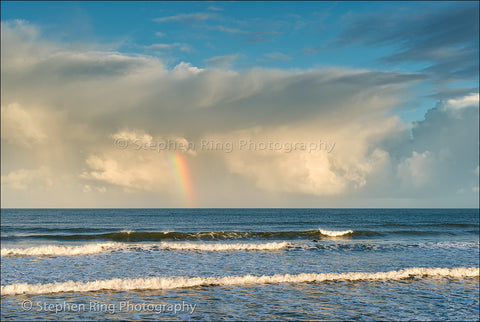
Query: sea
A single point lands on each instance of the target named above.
(240, 264)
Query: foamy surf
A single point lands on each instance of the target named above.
(449, 245)
(335, 233)
(162, 283)
(225, 247)
(89, 249)
(52, 250)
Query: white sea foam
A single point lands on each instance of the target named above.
(449, 245)
(161, 283)
(335, 233)
(88, 249)
(96, 248)
(225, 247)
(53, 250)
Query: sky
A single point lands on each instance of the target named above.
(239, 104)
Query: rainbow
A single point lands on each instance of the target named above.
(183, 178)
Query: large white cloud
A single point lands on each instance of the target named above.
(64, 107)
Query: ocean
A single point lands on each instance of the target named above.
(240, 264)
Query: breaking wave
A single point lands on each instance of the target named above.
(161, 283)
(90, 249)
(51, 250)
(225, 247)
(335, 233)
(133, 236)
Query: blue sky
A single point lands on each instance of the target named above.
(302, 31)
(249, 67)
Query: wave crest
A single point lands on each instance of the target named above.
(224, 247)
(335, 233)
(89, 249)
(133, 236)
(52, 250)
(161, 283)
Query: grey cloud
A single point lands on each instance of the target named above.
(210, 100)
(67, 68)
(437, 156)
(446, 37)
(455, 92)
(71, 67)
(380, 78)
(268, 98)
(452, 141)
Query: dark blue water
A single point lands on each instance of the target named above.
(43, 246)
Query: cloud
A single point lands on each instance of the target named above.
(416, 170)
(162, 46)
(229, 29)
(378, 156)
(460, 103)
(311, 169)
(213, 8)
(132, 136)
(442, 151)
(137, 166)
(222, 61)
(186, 17)
(444, 36)
(24, 179)
(130, 172)
(20, 126)
(186, 69)
(182, 47)
(455, 92)
(75, 103)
